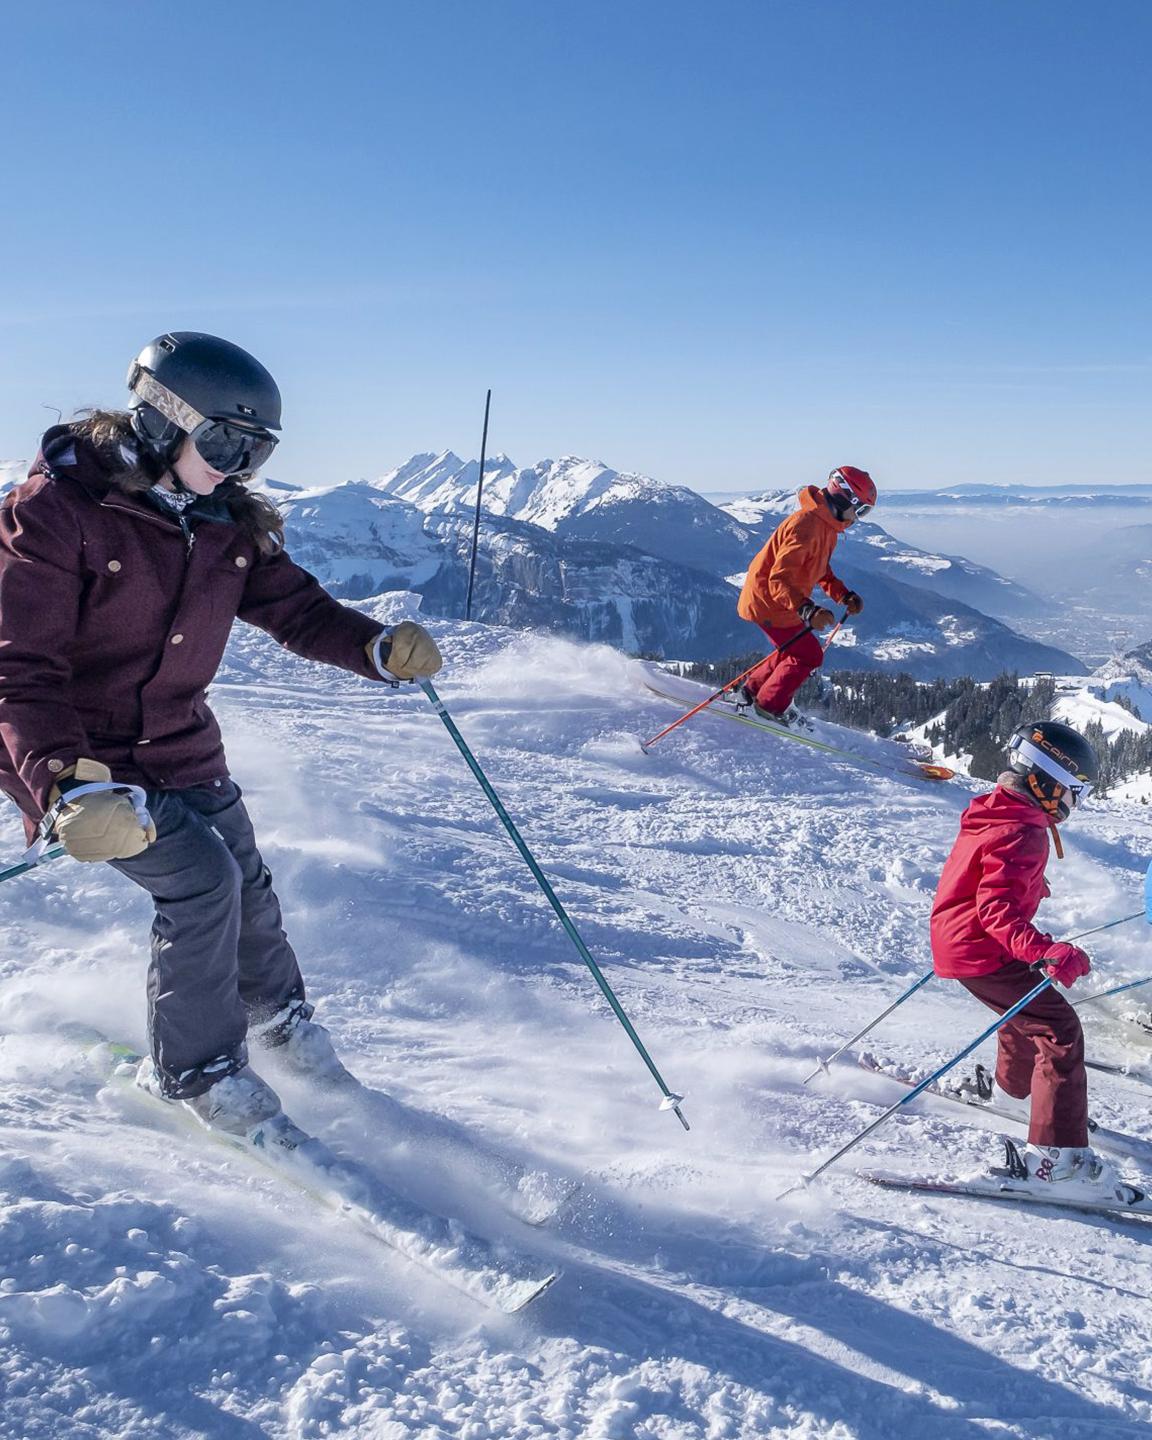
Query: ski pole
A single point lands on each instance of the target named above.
(23, 866)
(847, 1045)
(1116, 990)
(646, 745)
(44, 847)
(907, 995)
(1145, 914)
(671, 1100)
(806, 1180)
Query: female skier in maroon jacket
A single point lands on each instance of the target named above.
(983, 936)
(124, 560)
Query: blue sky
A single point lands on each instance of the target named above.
(729, 245)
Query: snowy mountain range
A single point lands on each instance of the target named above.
(932, 614)
(573, 547)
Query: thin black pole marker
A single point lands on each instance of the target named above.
(671, 1100)
(479, 496)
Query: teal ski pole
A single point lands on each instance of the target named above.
(23, 866)
(671, 1100)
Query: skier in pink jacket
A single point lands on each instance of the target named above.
(983, 936)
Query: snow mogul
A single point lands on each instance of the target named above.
(777, 593)
(983, 936)
(124, 559)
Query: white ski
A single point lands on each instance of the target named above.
(534, 1196)
(489, 1272)
(687, 692)
(1132, 1147)
(994, 1187)
(1137, 1073)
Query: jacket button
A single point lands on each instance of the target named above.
(177, 639)
(55, 766)
(241, 561)
(114, 566)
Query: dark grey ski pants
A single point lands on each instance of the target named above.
(220, 958)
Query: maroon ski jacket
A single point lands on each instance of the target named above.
(113, 622)
(991, 887)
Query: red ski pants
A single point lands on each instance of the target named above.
(1040, 1053)
(775, 680)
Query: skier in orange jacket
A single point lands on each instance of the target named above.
(777, 593)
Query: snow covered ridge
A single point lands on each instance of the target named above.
(11, 473)
(753, 903)
(938, 614)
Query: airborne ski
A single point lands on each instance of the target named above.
(489, 1272)
(659, 682)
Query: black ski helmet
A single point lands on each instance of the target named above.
(183, 378)
(1057, 764)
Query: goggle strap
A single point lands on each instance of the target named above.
(169, 405)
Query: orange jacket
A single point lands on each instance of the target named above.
(795, 559)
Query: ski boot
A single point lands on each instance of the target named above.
(741, 698)
(237, 1104)
(792, 719)
(1074, 1171)
(980, 1088)
(302, 1046)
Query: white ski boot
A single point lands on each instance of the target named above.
(1077, 1172)
(237, 1104)
(297, 1042)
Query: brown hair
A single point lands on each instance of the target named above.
(133, 470)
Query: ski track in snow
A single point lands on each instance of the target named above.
(753, 903)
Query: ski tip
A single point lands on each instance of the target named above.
(935, 772)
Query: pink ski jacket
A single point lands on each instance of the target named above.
(991, 887)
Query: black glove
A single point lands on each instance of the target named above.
(853, 603)
(815, 616)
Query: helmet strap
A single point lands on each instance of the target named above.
(1049, 803)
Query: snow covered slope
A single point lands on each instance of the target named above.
(753, 903)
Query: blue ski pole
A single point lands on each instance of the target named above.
(912, 989)
(671, 1100)
(847, 1045)
(924, 1084)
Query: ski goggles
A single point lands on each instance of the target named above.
(1076, 787)
(229, 448)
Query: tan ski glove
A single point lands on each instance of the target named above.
(103, 824)
(413, 653)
